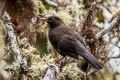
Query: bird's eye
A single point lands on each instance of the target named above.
(49, 20)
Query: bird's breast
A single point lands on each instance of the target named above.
(53, 38)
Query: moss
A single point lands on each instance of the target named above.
(40, 64)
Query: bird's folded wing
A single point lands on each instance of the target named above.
(81, 39)
(67, 45)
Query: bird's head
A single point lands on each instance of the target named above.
(54, 21)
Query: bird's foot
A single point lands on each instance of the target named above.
(57, 61)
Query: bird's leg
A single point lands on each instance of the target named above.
(86, 73)
(54, 53)
(56, 56)
(57, 61)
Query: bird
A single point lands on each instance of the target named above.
(69, 43)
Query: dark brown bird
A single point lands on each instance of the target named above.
(67, 42)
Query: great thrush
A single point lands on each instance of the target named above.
(67, 42)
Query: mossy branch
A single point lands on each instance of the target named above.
(109, 28)
(12, 36)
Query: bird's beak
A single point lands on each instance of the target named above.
(43, 19)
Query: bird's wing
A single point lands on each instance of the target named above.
(81, 39)
(67, 45)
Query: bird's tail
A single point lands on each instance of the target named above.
(92, 60)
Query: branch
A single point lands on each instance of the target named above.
(110, 27)
(12, 37)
